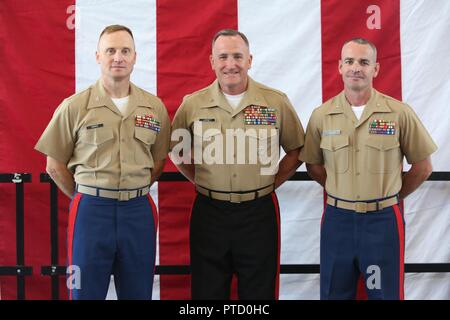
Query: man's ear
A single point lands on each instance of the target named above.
(377, 69)
(211, 60)
(340, 66)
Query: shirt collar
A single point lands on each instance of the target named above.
(252, 97)
(99, 98)
(376, 103)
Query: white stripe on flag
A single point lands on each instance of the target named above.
(426, 88)
(425, 69)
(93, 16)
(285, 40)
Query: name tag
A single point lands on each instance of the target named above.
(331, 133)
(94, 126)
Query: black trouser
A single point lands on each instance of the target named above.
(241, 238)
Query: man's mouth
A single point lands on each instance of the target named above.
(356, 77)
(231, 73)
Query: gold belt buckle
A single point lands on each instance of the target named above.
(124, 195)
(235, 198)
(361, 207)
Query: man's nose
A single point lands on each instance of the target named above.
(230, 62)
(118, 57)
(356, 67)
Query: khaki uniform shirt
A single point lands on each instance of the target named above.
(103, 148)
(265, 118)
(364, 159)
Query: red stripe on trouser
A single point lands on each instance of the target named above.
(401, 239)
(154, 212)
(155, 218)
(189, 25)
(324, 206)
(70, 230)
(277, 213)
(361, 292)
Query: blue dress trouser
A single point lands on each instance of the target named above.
(369, 244)
(107, 236)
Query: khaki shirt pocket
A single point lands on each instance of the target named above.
(336, 152)
(383, 154)
(144, 139)
(96, 146)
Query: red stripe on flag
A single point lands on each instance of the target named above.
(184, 33)
(342, 21)
(173, 235)
(38, 55)
(401, 242)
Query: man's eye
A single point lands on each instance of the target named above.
(110, 51)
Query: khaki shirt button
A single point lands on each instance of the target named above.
(357, 197)
(357, 173)
(234, 175)
(123, 139)
(357, 150)
(123, 160)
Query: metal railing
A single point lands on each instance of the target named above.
(20, 270)
(55, 271)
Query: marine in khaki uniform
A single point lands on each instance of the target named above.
(105, 146)
(354, 147)
(234, 129)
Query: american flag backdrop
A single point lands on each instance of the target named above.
(47, 53)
